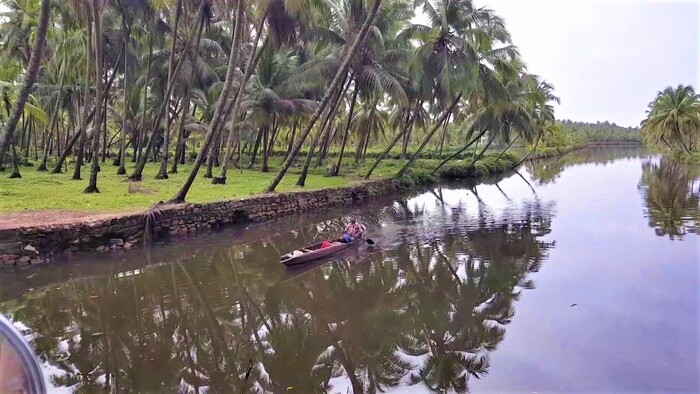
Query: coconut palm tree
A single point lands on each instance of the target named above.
(670, 197)
(335, 84)
(29, 80)
(673, 119)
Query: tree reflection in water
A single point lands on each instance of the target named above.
(427, 312)
(671, 194)
(546, 171)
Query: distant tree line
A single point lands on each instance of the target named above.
(602, 132)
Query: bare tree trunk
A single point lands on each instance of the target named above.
(29, 79)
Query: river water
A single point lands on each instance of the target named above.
(578, 273)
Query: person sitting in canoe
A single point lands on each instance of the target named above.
(353, 231)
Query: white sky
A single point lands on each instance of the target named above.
(606, 59)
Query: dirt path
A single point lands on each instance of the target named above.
(40, 218)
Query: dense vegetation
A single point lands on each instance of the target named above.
(673, 122)
(235, 83)
(602, 132)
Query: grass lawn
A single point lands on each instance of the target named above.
(45, 191)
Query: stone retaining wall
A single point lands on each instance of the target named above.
(37, 245)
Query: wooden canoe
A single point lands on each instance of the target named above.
(314, 252)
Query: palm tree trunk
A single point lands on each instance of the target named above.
(28, 142)
(142, 127)
(256, 147)
(459, 152)
(15, 162)
(250, 66)
(179, 147)
(323, 131)
(503, 152)
(47, 148)
(444, 135)
(265, 153)
(163, 172)
(84, 121)
(392, 144)
(346, 134)
(71, 143)
(29, 80)
(429, 136)
(339, 76)
(483, 150)
(213, 126)
(97, 21)
(273, 138)
(291, 140)
(126, 31)
(104, 118)
(53, 122)
(539, 137)
(194, 35)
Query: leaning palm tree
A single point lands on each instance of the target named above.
(29, 79)
(218, 117)
(335, 84)
(673, 119)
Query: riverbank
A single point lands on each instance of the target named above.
(31, 243)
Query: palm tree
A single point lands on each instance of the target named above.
(335, 83)
(673, 119)
(670, 197)
(29, 79)
(449, 60)
(96, 9)
(216, 121)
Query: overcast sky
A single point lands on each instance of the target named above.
(606, 59)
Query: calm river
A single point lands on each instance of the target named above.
(579, 273)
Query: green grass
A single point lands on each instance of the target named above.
(45, 191)
(37, 191)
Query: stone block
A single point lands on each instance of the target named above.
(11, 248)
(30, 251)
(116, 242)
